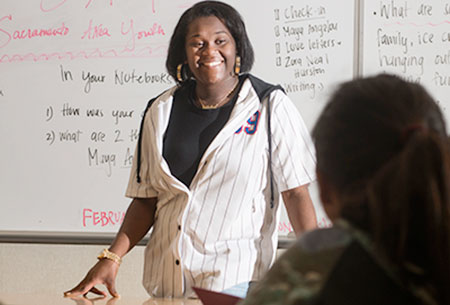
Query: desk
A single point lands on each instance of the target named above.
(29, 299)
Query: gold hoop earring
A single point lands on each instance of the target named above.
(237, 65)
(179, 77)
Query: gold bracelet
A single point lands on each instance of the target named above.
(110, 255)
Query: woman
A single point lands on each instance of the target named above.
(202, 179)
(383, 168)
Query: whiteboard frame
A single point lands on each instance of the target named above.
(105, 238)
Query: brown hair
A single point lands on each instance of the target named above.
(382, 143)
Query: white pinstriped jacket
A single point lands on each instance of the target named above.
(221, 231)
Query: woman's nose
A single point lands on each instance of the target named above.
(209, 48)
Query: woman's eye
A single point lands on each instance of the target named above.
(220, 41)
(196, 44)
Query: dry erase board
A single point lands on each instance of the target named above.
(412, 39)
(75, 77)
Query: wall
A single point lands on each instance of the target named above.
(52, 269)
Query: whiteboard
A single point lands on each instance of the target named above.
(75, 77)
(411, 39)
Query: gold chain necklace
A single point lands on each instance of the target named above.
(218, 104)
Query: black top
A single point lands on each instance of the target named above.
(191, 130)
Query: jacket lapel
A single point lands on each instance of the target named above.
(246, 105)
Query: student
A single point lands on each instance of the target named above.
(383, 169)
(202, 177)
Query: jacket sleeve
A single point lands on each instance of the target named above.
(293, 153)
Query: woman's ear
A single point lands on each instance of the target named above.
(329, 196)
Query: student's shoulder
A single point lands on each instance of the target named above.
(301, 272)
(323, 239)
(317, 251)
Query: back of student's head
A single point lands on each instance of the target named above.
(382, 145)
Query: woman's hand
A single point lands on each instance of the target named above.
(104, 272)
(137, 222)
(79, 300)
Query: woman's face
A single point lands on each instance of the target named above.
(210, 50)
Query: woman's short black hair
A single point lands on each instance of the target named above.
(230, 18)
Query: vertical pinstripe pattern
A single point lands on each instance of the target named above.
(228, 231)
(227, 216)
(208, 228)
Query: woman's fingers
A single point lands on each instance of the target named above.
(97, 291)
(112, 290)
(83, 288)
(104, 272)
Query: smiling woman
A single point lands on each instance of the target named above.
(212, 161)
(211, 56)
